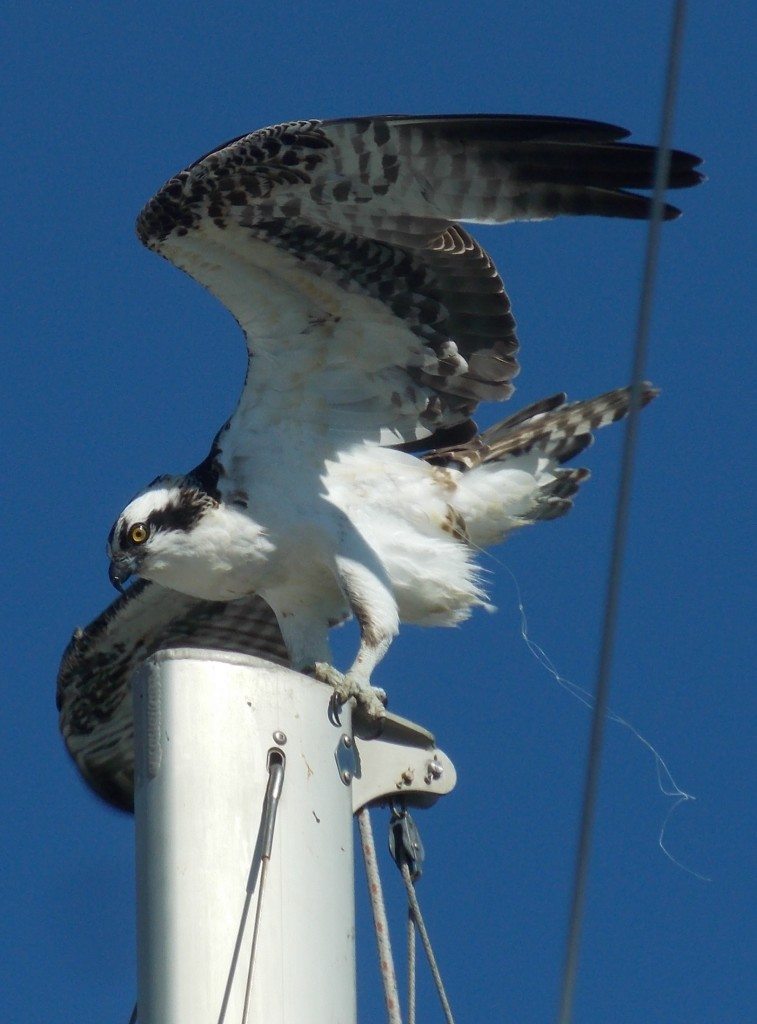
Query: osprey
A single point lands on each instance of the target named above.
(375, 324)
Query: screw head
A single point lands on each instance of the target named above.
(347, 740)
(346, 776)
(279, 737)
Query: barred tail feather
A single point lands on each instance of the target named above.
(511, 473)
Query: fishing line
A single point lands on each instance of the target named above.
(665, 781)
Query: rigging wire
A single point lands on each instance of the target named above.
(641, 346)
(407, 852)
(411, 968)
(420, 924)
(376, 893)
(276, 764)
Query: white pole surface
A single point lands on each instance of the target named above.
(205, 723)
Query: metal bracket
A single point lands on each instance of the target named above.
(396, 759)
(347, 759)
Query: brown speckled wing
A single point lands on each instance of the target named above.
(553, 428)
(93, 694)
(371, 206)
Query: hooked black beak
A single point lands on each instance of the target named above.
(118, 573)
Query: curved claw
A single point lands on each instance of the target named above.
(371, 699)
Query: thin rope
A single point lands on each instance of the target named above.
(386, 961)
(410, 967)
(421, 926)
(591, 784)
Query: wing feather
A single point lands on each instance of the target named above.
(336, 246)
(94, 692)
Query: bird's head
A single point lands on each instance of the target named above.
(154, 526)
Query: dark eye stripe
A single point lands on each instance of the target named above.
(182, 516)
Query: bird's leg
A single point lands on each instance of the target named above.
(375, 609)
(304, 627)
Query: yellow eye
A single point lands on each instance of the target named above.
(139, 533)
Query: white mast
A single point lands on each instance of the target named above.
(235, 754)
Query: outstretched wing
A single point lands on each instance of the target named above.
(94, 693)
(335, 244)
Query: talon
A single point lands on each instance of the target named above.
(338, 681)
(341, 685)
(372, 699)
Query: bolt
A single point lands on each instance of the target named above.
(434, 770)
(346, 776)
(347, 740)
(279, 737)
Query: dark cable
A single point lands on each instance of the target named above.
(662, 166)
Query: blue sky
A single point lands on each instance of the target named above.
(117, 368)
